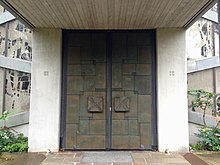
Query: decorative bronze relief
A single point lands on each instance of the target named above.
(122, 104)
(95, 104)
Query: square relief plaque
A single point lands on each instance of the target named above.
(95, 103)
(122, 104)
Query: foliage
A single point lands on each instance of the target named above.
(4, 117)
(197, 146)
(210, 139)
(10, 140)
(203, 100)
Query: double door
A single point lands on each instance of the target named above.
(108, 90)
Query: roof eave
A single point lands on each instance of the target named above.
(16, 13)
(200, 13)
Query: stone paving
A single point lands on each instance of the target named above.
(137, 158)
(111, 158)
(209, 157)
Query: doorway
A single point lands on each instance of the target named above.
(108, 90)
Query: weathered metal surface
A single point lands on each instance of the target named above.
(72, 109)
(97, 127)
(144, 108)
(95, 104)
(76, 87)
(90, 141)
(85, 107)
(128, 107)
(129, 69)
(116, 75)
(143, 69)
(88, 70)
(73, 55)
(128, 82)
(122, 104)
(132, 98)
(89, 83)
(145, 54)
(71, 131)
(143, 85)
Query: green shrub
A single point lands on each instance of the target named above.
(12, 142)
(210, 139)
(197, 146)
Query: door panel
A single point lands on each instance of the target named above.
(131, 91)
(108, 69)
(85, 96)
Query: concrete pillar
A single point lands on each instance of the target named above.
(172, 90)
(1, 89)
(44, 127)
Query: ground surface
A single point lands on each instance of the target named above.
(111, 158)
(212, 158)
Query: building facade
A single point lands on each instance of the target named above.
(108, 74)
(15, 68)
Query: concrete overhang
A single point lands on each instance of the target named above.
(107, 14)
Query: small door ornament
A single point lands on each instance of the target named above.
(122, 104)
(95, 104)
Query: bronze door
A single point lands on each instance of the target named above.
(107, 90)
(131, 90)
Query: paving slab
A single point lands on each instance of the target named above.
(106, 157)
(193, 159)
(21, 159)
(211, 158)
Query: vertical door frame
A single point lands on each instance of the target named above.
(154, 128)
(63, 91)
(108, 138)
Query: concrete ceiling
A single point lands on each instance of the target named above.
(107, 14)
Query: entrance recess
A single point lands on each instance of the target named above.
(108, 91)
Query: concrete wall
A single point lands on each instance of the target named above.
(22, 129)
(201, 80)
(1, 88)
(217, 77)
(172, 90)
(196, 122)
(45, 100)
(193, 129)
(206, 79)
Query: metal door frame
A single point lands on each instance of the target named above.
(108, 146)
(108, 138)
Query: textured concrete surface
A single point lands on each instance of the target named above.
(45, 91)
(171, 86)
